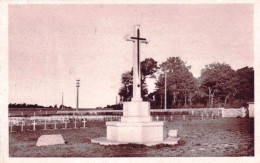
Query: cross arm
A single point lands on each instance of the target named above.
(128, 38)
(144, 41)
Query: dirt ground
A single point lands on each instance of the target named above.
(218, 138)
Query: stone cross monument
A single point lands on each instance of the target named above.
(136, 124)
(137, 67)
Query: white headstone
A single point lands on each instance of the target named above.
(22, 124)
(75, 122)
(172, 133)
(11, 126)
(34, 123)
(45, 125)
(46, 140)
(157, 118)
(251, 109)
(84, 123)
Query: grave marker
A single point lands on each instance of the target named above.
(23, 123)
(157, 118)
(84, 123)
(34, 123)
(54, 125)
(202, 116)
(75, 122)
(11, 126)
(46, 140)
(207, 116)
(212, 115)
(45, 125)
(171, 117)
(164, 118)
(66, 121)
(183, 117)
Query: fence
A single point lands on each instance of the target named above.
(232, 112)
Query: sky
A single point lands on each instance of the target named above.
(51, 46)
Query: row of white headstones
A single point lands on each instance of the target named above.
(66, 120)
(54, 120)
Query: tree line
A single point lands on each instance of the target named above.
(24, 105)
(218, 85)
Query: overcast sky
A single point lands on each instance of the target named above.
(50, 46)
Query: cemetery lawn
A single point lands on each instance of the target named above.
(219, 137)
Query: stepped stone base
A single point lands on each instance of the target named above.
(136, 132)
(104, 141)
(136, 127)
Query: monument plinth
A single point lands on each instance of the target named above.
(136, 125)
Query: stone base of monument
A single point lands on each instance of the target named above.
(136, 127)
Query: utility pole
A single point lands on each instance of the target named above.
(116, 102)
(62, 102)
(165, 90)
(77, 85)
(209, 98)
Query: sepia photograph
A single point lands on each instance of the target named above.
(131, 80)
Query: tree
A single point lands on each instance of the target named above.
(218, 81)
(245, 85)
(181, 84)
(148, 69)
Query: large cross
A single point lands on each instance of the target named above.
(137, 68)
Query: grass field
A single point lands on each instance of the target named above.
(218, 137)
